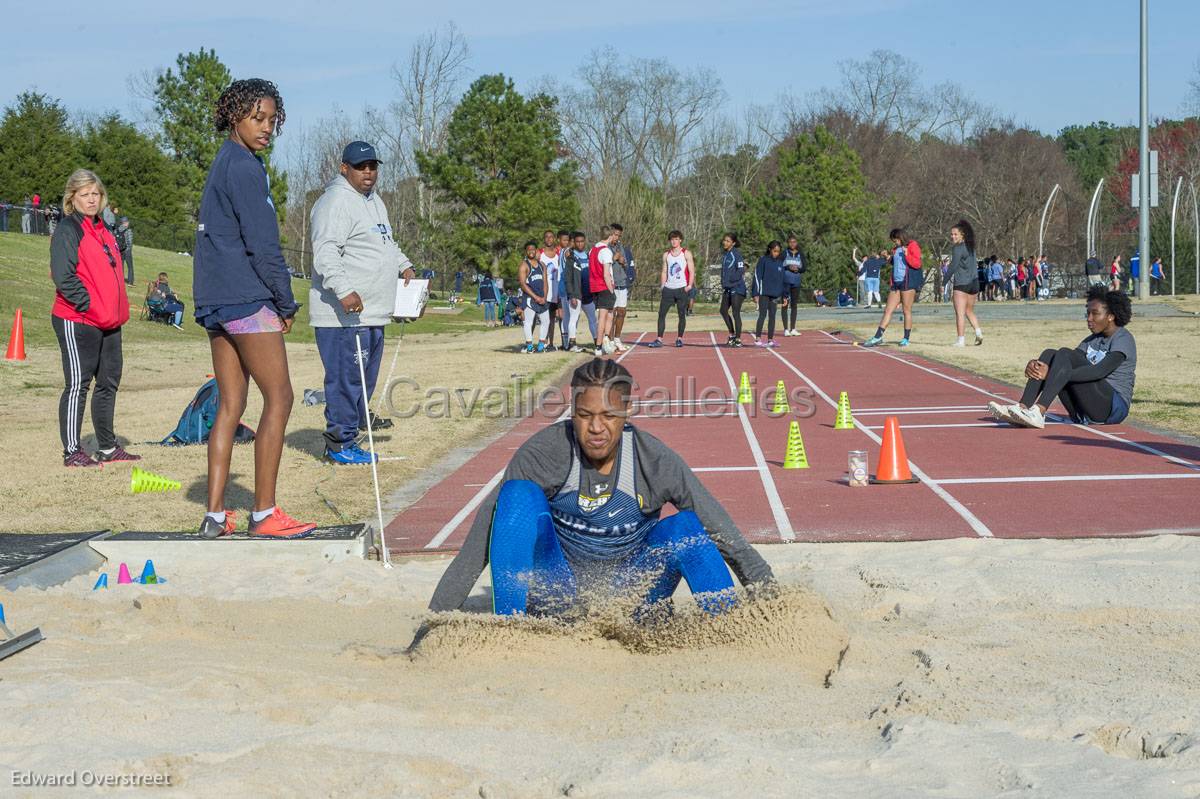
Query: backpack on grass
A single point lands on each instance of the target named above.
(197, 420)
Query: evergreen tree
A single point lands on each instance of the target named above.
(141, 180)
(185, 98)
(500, 180)
(816, 192)
(38, 150)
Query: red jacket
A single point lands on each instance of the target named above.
(89, 280)
(596, 281)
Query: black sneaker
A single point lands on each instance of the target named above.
(377, 423)
(210, 528)
(118, 454)
(79, 458)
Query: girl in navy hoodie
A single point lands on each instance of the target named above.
(244, 300)
(769, 292)
(733, 288)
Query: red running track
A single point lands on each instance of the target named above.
(978, 478)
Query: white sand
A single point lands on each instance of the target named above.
(974, 669)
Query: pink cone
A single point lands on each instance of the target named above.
(123, 575)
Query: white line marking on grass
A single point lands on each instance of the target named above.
(782, 522)
(971, 519)
(449, 527)
(1069, 478)
(1087, 428)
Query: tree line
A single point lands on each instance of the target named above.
(474, 168)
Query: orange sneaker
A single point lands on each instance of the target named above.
(279, 525)
(210, 528)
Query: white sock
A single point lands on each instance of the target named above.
(218, 517)
(961, 340)
(259, 515)
(979, 331)
(109, 451)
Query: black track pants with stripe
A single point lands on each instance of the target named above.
(88, 353)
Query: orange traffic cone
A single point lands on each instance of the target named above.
(16, 341)
(893, 460)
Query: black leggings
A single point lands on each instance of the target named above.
(678, 298)
(790, 311)
(88, 354)
(1092, 399)
(766, 306)
(732, 302)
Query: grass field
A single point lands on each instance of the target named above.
(164, 367)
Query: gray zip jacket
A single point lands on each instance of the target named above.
(963, 269)
(662, 477)
(353, 251)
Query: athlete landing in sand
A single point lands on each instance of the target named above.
(578, 513)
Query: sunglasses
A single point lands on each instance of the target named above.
(366, 166)
(111, 261)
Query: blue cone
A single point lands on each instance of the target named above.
(148, 577)
(2, 620)
(102, 582)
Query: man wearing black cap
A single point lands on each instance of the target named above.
(355, 266)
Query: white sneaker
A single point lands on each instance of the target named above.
(960, 342)
(618, 346)
(599, 352)
(1001, 413)
(1028, 417)
(978, 337)
(608, 348)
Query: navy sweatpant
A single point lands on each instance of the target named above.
(344, 410)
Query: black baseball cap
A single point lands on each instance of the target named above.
(358, 151)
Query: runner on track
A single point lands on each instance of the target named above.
(964, 274)
(906, 282)
(733, 288)
(1094, 381)
(676, 280)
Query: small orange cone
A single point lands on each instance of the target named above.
(893, 460)
(16, 341)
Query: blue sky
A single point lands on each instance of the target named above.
(1047, 64)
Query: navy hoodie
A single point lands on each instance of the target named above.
(238, 261)
(733, 272)
(768, 277)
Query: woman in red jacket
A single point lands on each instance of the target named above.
(90, 307)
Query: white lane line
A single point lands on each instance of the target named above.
(639, 401)
(971, 519)
(449, 527)
(700, 415)
(925, 408)
(949, 424)
(920, 411)
(782, 522)
(1069, 478)
(726, 469)
(1084, 427)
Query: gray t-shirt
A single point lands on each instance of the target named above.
(1097, 346)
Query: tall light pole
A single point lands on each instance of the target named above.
(1144, 159)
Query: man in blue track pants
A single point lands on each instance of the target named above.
(577, 515)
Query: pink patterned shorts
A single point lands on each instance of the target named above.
(264, 321)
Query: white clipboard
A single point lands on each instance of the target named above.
(411, 299)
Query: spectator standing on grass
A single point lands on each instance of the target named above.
(624, 272)
(356, 263)
(4, 206)
(575, 289)
(1115, 273)
(550, 257)
(1156, 277)
(1135, 273)
(90, 307)
(531, 277)
(873, 265)
(1093, 269)
(26, 215)
(243, 295)
(486, 295)
(600, 280)
(125, 239)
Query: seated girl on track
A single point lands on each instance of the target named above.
(1094, 381)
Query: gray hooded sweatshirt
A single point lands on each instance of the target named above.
(353, 251)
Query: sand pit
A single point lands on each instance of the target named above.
(974, 668)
